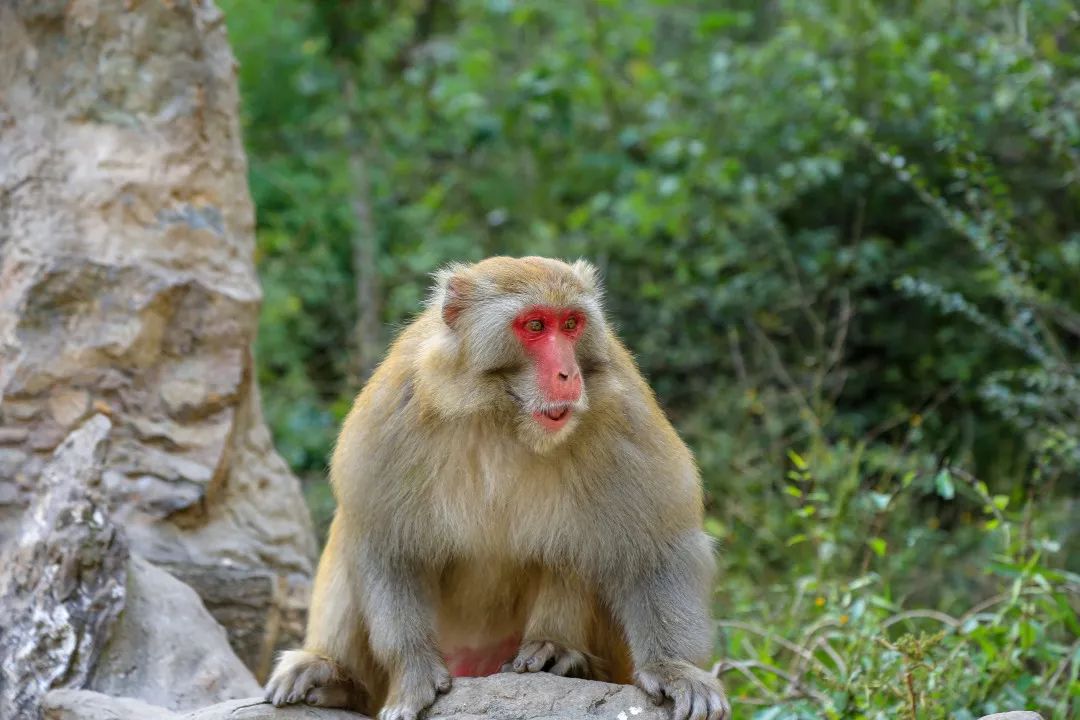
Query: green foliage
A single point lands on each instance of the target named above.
(841, 237)
(817, 644)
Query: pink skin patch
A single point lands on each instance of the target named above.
(548, 336)
(478, 662)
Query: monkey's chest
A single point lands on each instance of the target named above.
(483, 504)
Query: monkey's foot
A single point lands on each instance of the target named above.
(415, 691)
(696, 694)
(304, 677)
(550, 656)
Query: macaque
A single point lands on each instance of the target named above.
(510, 497)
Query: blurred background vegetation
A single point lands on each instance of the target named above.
(841, 236)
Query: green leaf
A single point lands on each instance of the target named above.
(797, 460)
(880, 500)
(878, 545)
(943, 482)
(1068, 615)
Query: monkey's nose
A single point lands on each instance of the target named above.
(563, 385)
(562, 377)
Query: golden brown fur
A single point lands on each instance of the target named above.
(461, 522)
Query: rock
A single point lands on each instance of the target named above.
(87, 705)
(81, 611)
(69, 704)
(128, 288)
(63, 578)
(236, 597)
(509, 696)
(500, 697)
(166, 648)
(256, 709)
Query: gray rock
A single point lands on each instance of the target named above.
(256, 709)
(499, 697)
(81, 611)
(540, 696)
(128, 287)
(62, 579)
(235, 597)
(1013, 715)
(88, 705)
(67, 704)
(166, 648)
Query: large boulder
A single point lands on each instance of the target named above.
(127, 287)
(88, 705)
(256, 709)
(80, 611)
(71, 704)
(166, 649)
(62, 581)
(500, 697)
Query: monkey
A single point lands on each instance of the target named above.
(510, 497)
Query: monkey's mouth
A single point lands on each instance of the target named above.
(553, 419)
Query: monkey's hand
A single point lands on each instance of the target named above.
(414, 690)
(549, 656)
(696, 694)
(304, 677)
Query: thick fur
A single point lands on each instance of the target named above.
(462, 522)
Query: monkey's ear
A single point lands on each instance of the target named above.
(587, 273)
(454, 292)
(453, 300)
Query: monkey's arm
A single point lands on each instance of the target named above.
(397, 605)
(334, 668)
(664, 615)
(557, 629)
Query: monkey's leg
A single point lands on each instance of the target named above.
(335, 658)
(664, 615)
(397, 602)
(556, 633)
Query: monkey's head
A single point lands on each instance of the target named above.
(524, 338)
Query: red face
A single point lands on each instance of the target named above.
(549, 336)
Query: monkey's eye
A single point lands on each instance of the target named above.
(534, 325)
(570, 323)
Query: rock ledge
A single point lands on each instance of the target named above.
(500, 697)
